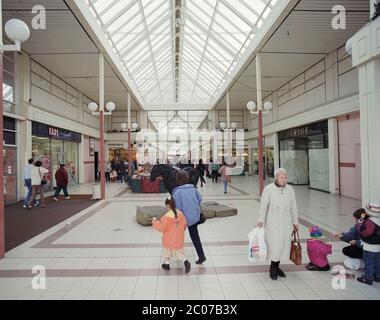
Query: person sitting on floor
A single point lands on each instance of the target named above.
(353, 252)
(317, 251)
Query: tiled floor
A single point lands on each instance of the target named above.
(102, 253)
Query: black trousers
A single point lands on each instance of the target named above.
(194, 235)
(214, 175)
(202, 178)
(58, 191)
(353, 251)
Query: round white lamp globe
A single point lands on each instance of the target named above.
(223, 125)
(348, 46)
(92, 106)
(268, 106)
(17, 30)
(251, 106)
(123, 126)
(110, 106)
(233, 125)
(134, 126)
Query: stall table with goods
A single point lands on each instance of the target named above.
(140, 182)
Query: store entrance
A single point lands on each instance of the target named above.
(52, 153)
(304, 154)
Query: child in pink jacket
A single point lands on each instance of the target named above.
(317, 251)
(172, 225)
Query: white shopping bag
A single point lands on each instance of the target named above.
(257, 250)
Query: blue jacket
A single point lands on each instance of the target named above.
(352, 234)
(188, 200)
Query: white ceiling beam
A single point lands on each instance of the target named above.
(107, 8)
(128, 47)
(216, 22)
(237, 13)
(117, 16)
(158, 51)
(272, 22)
(149, 44)
(210, 35)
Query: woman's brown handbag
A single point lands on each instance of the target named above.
(296, 249)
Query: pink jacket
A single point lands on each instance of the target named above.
(318, 251)
(173, 230)
(225, 171)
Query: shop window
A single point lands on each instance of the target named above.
(9, 131)
(8, 77)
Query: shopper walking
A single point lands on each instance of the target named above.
(122, 171)
(225, 172)
(188, 200)
(172, 225)
(108, 171)
(214, 171)
(278, 214)
(38, 182)
(201, 168)
(62, 180)
(28, 183)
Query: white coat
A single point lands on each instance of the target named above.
(37, 174)
(278, 213)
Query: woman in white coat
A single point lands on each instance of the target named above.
(279, 215)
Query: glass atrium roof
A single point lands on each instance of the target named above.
(177, 121)
(180, 51)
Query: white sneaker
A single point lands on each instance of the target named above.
(37, 204)
(25, 206)
(55, 199)
(67, 198)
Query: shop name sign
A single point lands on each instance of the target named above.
(53, 132)
(305, 131)
(43, 130)
(299, 132)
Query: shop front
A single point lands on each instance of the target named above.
(120, 152)
(268, 158)
(54, 146)
(10, 160)
(304, 154)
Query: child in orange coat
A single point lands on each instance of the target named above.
(172, 225)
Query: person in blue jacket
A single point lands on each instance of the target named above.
(355, 249)
(188, 200)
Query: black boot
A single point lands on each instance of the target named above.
(273, 273)
(165, 266)
(187, 266)
(201, 260)
(281, 273)
(365, 280)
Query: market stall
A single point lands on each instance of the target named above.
(140, 182)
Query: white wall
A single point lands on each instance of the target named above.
(331, 79)
(50, 93)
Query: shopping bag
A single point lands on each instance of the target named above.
(296, 249)
(257, 250)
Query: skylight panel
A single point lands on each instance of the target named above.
(213, 34)
(127, 16)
